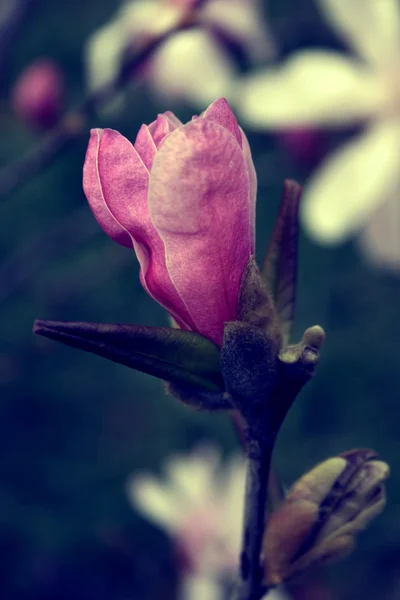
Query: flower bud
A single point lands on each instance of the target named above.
(183, 197)
(322, 513)
(38, 94)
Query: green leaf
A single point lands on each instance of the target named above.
(279, 270)
(170, 354)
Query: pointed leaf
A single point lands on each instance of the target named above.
(279, 270)
(170, 354)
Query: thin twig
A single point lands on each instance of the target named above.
(296, 365)
(258, 465)
(73, 124)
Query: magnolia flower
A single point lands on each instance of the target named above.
(380, 239)
(199, 504)
(193, 64)
(183, 196)
(38, 94)
(327, 88)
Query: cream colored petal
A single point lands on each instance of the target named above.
(310, 88)
(194, 67)
(159, 503)
(200, 587)
(103, 53)
(380, 239)
(277, 594)
(370, 27)
(194, 476)
(140, 18)
(104, 49)
(131, 26)
(243, 21)
(345, 191)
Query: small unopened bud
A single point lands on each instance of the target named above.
(305, 354)
(38, 94)
(296, 365)
(322, 514)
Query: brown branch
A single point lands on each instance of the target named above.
(259, 454)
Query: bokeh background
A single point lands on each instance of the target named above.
(73, 427)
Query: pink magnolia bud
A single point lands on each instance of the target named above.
(37, 96)
(183, 196)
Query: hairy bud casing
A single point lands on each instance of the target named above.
(249, 366)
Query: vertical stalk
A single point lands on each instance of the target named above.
(259, 455)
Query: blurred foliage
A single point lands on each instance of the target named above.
(73, 427)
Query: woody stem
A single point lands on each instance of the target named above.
(259, 454)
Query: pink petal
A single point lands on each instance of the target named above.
(221, 112)
(123, 179)
(252, 188)
(94, 193)
(162, 126)
(173, 119)
(145, 146)
(199, 204)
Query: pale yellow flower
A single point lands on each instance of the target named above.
(193, 65)
(380, 238)
(326, 88)
(199, 503)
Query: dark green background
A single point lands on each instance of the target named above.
(73, 427)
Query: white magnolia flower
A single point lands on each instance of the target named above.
(329, 88)
(193, 64)
(200, 505)
(380, 239)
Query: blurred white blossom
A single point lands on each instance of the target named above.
(328, 88)
(380, 239)
(195, 64)
(200, 505)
